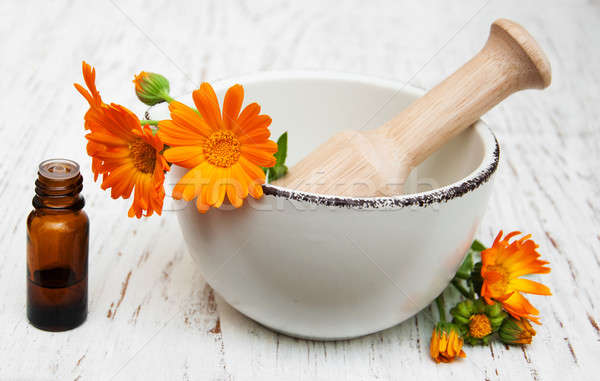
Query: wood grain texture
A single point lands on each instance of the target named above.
(152, 316)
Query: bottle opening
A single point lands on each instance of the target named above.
(59, 169)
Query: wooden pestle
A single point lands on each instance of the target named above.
(377, 162)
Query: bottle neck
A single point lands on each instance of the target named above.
(58, 193)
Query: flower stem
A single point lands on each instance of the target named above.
(471, 288)
(441, 307)
(461, 288)
(150, 122)
(167, 98)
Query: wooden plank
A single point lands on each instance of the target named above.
(151, 313)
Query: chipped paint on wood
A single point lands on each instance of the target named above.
(112, 312)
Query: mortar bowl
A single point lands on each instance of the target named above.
(328, 267)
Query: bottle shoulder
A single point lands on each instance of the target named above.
(57, 220)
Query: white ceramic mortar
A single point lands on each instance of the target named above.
(327, 267)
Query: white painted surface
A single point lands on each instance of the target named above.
(163, 317)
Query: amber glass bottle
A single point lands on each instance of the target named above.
(57, 248)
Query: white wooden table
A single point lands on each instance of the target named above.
(152, 316)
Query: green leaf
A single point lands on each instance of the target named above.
(464, 271)
(281, 153)
(277, 172)
(279, 169)
(477, 246)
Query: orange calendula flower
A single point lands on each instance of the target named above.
(224, 152)
(126, 153)
(446, 344)
(502, 265)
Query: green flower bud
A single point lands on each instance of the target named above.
(515, 331)
(151, 88)
(463, 311)
(477, 320)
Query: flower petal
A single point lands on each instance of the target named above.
(529, 287)
(258, 121)
(518, 306)
(259, 157)
(106, 139)
(256, 136)
(89, 76)
(188, 118)
(232, 105)
(254, 173)
(208, 105)
(184, 153)
(173, 134)
(187, 185)
(242, 180)
(249, 112)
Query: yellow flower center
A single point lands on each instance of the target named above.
(143, 155)
(222, 149)
(500, 280)
(479, 326)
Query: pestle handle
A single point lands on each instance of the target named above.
(511, 60)
(377, 162)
